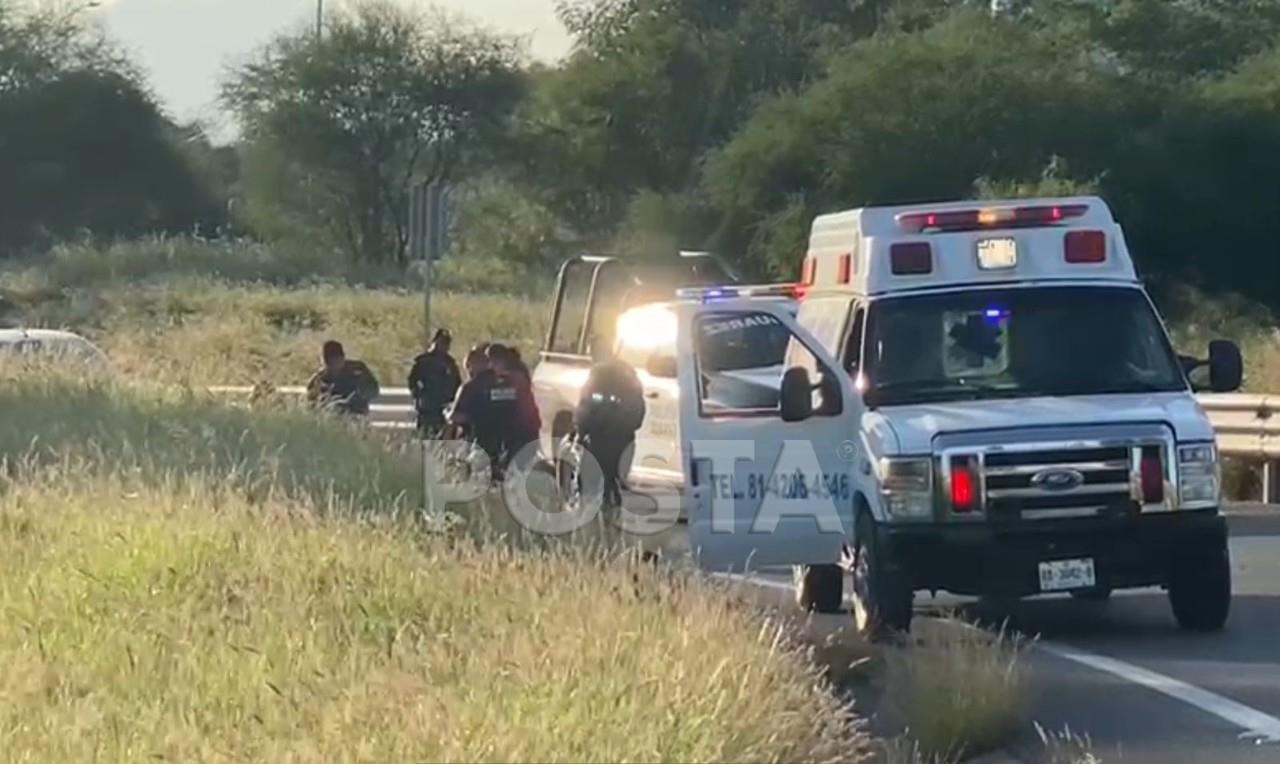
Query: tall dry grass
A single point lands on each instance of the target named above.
(153, 433)
(180, 622)
(959, 690)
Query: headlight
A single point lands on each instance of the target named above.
(906, 486)
(1198, 476)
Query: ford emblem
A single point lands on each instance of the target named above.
(1057, 480)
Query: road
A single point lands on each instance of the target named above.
(1146, 692)
(1143, 691)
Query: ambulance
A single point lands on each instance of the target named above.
(976, 397)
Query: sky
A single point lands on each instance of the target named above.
(185, 46)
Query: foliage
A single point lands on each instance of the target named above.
(82, 144)
(341, 128)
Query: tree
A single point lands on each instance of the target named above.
(83, 147)
(916, 116)
(339, 129)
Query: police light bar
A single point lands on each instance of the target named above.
(708, 294)
(949, 221)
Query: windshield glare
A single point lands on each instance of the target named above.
(1009, 343)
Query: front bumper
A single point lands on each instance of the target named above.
(1002, 559)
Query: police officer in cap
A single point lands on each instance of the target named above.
(485, 407)
(610, 410)
(527, 425)
(433, 382)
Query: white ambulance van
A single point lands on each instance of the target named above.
(978, 397)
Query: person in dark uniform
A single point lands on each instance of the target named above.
(610, 411)
(345, 385)
(433, 382)
(485, 407)
(527, 425)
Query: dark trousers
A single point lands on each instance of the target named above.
(607, 449)
(431, 422)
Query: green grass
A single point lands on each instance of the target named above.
(186, 582)
(157, 434)
(201, 332)
(184, 623)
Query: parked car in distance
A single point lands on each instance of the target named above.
(49, 345)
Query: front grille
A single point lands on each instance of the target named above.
(1059, 482)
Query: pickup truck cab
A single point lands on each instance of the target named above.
(631, 307)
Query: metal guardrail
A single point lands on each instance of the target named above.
(1247, 426)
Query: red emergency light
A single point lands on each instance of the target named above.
(1085, 247)
(1151, 474)
(964, 489)
(808, 271)
(949, 221)
(846, 268)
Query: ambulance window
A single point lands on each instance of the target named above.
(853, 343)
(741, 361)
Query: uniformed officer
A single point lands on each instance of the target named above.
(433, 382)
(527, 425)
(345, 385)
(610, 410)
(485, 407)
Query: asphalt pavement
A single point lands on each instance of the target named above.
(1122, 673)
(1142, 690)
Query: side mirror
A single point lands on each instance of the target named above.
(1226, 367)
(661, 366)
(796, 395)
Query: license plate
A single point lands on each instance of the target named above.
(1063, 575)
(997, 254)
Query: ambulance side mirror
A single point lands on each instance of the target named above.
(796, 395)
(1226, 367)
(661, 367)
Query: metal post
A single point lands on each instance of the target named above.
(1271, 481)
(319, 19)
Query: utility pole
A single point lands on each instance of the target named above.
(319, 19)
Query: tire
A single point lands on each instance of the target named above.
(819, 588)
(882, 598)
(1096, 594)
(1200, 592)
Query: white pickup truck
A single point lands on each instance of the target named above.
(977, 397)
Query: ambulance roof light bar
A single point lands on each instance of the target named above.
(948, 221)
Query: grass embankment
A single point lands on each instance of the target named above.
(208, 313)
(171, 593)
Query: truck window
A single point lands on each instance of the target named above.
(740, 363)
(1018, 342)
(567, 331)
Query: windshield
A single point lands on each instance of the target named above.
(1013, 343)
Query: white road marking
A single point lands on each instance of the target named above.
(1257, 726)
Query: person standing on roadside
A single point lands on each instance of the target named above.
(485, 406)
(527, 425)
(433, 382)
(342, 384)
(610, 411)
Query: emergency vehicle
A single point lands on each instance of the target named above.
(985, 397)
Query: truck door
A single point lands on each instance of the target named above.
(764, 487)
